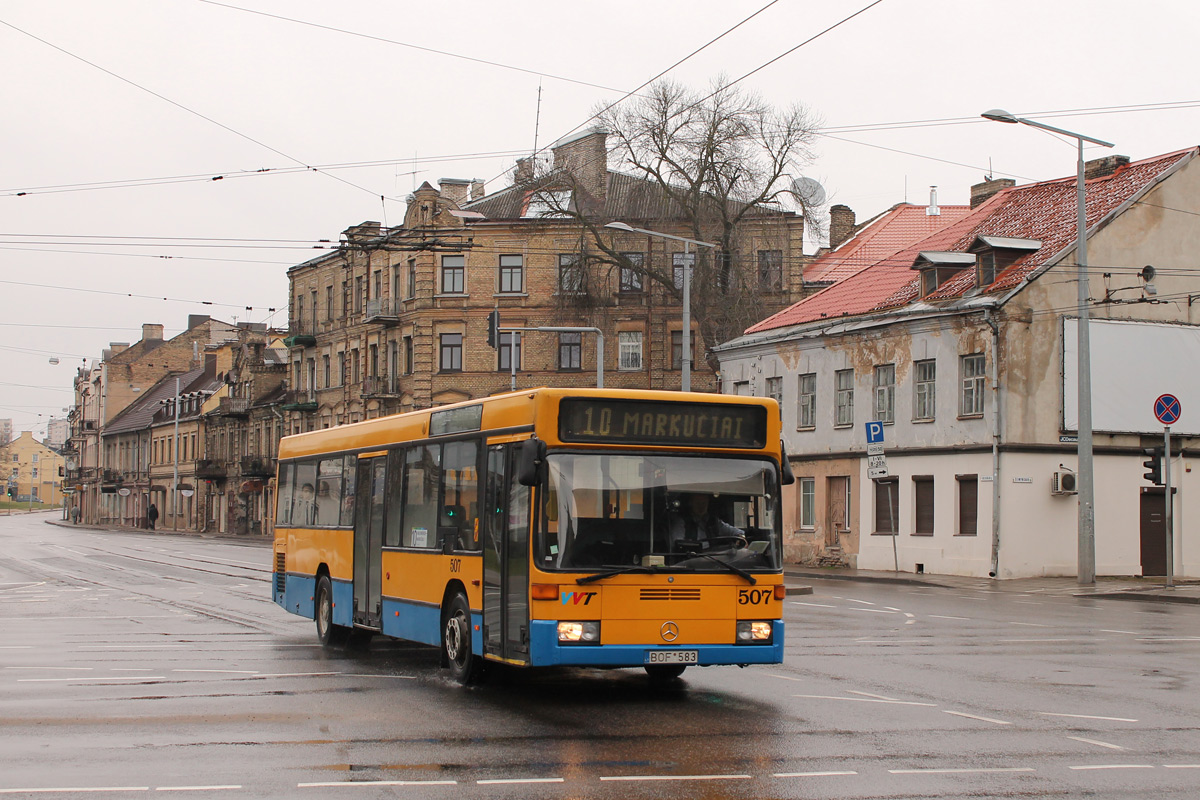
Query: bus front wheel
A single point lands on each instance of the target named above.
(328, 633)
(465, 666)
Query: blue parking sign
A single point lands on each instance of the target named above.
(874, 433)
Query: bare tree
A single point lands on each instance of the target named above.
(713, 166)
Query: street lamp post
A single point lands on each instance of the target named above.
(685, 335)
(1086, 565)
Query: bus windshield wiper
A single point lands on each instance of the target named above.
(735, 570)
(596, 576)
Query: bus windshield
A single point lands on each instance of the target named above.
(677, 513)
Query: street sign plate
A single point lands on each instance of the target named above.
(874, 432)
(1167, 409)
(877, 467)
(875, 449)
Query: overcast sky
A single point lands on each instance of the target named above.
(173, 93)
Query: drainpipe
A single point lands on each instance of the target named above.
(994, 571)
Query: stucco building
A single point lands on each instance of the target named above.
(33, 469)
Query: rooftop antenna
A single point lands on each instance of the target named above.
(988, 177)
(537, 117)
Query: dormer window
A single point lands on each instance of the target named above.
(994, 254)
(937, 267)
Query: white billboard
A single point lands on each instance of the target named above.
(1133, 363)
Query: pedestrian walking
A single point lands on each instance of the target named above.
(152, 515)
(75, 514)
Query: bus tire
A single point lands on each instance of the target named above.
(327, 633)
(465, 667)
(664, 672)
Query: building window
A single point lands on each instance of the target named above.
(358, 294)
(329, 303)
(923, 503)
(630, 343)
(885, 393)
(844, 396)
(968, 504)
(300, 312)
(570, 351)
(354, 367)
(925, 390)
(507, 342)
(775, 391)
(972, 367)
(677, 350)
(631, 276)
(570, 273)
(408, 355)
(678, 262)
(741, 388)
(806, 407)
(454, 274)
(35, 473)
(373, 360)
(808, 503)
(770, 270)
(512, 274)
(378, 284)
(411, 288)
(341, 372)
(35, 457)
(887, 505)
(987, 268)
(325, 371)
(345, 298)
(451, 348)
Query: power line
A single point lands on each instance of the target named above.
(131, 294)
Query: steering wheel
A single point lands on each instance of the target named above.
(731, 541)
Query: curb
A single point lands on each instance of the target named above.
(867, 578)
(1146, 598)
(795, 590)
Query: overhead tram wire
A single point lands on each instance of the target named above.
(134, 295)
(179, 105)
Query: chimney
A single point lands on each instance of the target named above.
(524, 173)
(196, 320)
(1101, 167)
(455, 190)
(151, 332)
(476, 188)
(585, 158)
(112, 349)
(362, 231)
(932, 210)
(841, 225)
(982, 191)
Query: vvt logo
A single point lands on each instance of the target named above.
(578, 598)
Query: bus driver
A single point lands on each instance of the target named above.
(691, 520)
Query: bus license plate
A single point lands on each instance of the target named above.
(672, 657)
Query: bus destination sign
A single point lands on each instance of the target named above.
(589, 419)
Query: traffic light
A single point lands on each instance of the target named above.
(12, 491)
(493, 338)
(1154, 466)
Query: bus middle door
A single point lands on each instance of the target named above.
(368, 540)
(506, 559)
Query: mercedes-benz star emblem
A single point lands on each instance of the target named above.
(669, 631)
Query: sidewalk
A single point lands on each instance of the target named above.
(1118, 588)
(253, 538)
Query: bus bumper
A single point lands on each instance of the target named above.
(544, 650)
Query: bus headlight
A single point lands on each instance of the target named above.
(751, 632)
(579, 632)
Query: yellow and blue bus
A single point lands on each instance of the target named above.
(541, 528)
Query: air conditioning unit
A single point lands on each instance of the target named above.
(1063, 481)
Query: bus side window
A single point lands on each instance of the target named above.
(283, 507)
(350, 473)
(460, 495)
(395, 494)
(329, 491)
(421, 480)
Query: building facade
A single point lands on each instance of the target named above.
(33, 470)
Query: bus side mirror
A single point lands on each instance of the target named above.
(532, 456)
(787, 477)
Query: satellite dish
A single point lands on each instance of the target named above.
(809, 192)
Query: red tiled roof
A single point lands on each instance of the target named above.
(878, 242)
(1045, 211)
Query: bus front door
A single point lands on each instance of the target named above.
(368, 540)
(506, 559)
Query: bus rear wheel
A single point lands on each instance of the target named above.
(327, 633)
(465, 666)
(664, 672)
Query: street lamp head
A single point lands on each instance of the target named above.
(1000, 115)
(620, 226)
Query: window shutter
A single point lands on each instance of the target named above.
(968, 505)
(923, 487)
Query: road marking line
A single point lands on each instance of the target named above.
(910, 616)
(940, 616)
(131, 646)
(1095, 742)
(198, 788)
(1165, 639)
(331, 784)
(890, 641)
(221, 671)
(1115, 766)
(16, 647)
(1131, 633)
(889, 608)
(962, 771)
(909, 621)
(1030, 624)
(1181, 766)
(815, 605)
(973, 716)
(865, 700)
(296, 675)
(520, 780)
(93, 680)
(784, 677)
(1085, 716)
(876, 696)
(76, 669)
(812, 774)
(864, 602)
(77, 789)
(872, 610)
(673, 777)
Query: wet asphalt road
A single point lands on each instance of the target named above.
(134, 664)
